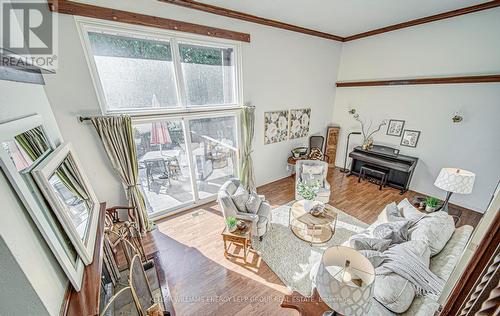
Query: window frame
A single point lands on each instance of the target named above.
(85, 25)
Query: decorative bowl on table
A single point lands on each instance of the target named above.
(318, 210)
(241, 225)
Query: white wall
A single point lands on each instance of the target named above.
(466, 45)
(17, 229)
(281, 70)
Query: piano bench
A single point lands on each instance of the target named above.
(374, 171)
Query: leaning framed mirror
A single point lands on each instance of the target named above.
(63, 183)
(24, 143)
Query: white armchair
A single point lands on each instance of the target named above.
(321, 172)
(260, 221)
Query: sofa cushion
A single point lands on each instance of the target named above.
(392, 290)
(364, 243)
(253, 203)
(397, 232)
(409, 211)
(240, 197)
(435, 229)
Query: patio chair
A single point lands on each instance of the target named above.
(156, 170)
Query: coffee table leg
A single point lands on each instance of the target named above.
(225, 248)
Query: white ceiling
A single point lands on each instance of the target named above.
(342, 17)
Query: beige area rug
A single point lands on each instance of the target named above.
(293, 259)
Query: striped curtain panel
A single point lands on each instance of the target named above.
(247, 175)
(117, 137)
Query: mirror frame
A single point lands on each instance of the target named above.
(42, 173)
(8, 130)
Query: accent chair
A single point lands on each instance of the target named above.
(260, 220)
(313, 169)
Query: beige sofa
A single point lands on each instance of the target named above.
(442, 264)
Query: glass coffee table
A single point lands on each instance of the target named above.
(312, 229)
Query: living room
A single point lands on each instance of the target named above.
(244, 151)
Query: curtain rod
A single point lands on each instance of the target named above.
(84, 118)
(135, 115)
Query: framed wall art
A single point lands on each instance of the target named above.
(395, 127)
(410, 138)
(275, 126)
(299, 123)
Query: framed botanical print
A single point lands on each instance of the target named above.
(275, 126)
(395, 127)
(410, 138)
(299, 123)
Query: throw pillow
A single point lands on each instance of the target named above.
(435, 229)
(229, 187)
(397, 232)
(370, 244)
(240, 197)
(312, 179)
(393, 213)
(392, 290)
(315, 154)
(312, 169)
(375, 257)
(409, 211)
(253, 203)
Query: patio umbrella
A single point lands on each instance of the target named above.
(159, 130)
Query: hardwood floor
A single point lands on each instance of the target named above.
(203, 282)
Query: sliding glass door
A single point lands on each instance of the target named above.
(214, 150)
(184, 161)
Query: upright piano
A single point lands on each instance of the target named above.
(399, 167)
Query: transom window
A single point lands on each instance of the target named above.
(141, 72)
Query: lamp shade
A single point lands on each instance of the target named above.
(351, 296)
(455, 180)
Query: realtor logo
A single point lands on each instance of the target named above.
(29, 32)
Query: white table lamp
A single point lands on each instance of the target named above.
(345, 281)
(454, 180)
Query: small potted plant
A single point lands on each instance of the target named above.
(231, 223)
(431, 204)
(308, 191)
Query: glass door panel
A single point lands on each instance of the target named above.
(214, 151)
(164, 173)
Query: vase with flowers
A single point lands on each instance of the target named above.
(367, 131)
(308, 191)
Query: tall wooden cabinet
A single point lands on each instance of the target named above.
(332, 138)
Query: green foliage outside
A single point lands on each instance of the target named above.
(118, 46)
